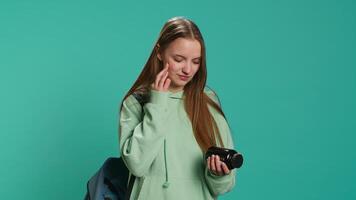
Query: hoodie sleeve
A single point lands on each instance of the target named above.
(221, 184)
(142, 134)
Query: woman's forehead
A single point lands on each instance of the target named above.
(185, 47)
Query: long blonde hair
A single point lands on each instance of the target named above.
(196, 101)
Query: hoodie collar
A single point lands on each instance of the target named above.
(177, 95)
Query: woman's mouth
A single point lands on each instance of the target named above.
(184, 78)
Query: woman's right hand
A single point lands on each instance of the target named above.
(162, 81)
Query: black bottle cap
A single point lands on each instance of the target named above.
(236, 160)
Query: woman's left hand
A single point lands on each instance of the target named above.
(216, 166)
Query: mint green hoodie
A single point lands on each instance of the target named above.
(160, 149)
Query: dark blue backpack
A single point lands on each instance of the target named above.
(110, 182)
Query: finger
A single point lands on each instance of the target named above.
(159, 76)
(225, 168)
(208, 162)
(163, 80)
(212, 164)
(167, 83)
(218, 165)
(165, 68)
(161, 73)
(156, 82)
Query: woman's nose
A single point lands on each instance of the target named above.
(187, 68)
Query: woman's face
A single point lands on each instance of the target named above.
(183, 56)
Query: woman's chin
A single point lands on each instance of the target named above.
(179, 83)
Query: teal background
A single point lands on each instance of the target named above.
(284, 71)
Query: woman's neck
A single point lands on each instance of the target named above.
(174, 90)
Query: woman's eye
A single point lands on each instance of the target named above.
(178, 60)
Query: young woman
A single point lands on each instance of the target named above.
(163, 142)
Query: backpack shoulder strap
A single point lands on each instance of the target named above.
(141, 98)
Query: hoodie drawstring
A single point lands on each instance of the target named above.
(166, 183)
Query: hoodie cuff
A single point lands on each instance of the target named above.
(159, 97)
(217, 176)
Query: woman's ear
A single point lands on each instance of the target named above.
(158, 54)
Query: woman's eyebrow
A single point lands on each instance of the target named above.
(185, 57)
